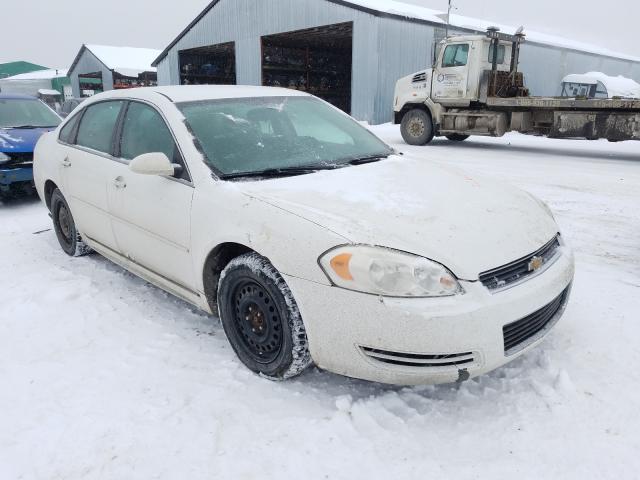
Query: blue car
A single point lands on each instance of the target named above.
(23, 119)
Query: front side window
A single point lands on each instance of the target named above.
(456, 55)
(251, 135)
(501, 53)
(97, 125)
(144, 131)
(26, 113)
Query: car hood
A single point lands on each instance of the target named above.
(467, 223)
(19, 140)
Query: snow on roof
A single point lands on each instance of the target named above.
(40, 75)
(127, 61)
(616, 86)
(395, 7)
(537, 37)
(400, 8)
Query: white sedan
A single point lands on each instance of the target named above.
(313, 240)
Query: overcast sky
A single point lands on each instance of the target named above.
(51, 32)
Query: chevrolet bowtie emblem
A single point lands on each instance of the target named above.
(535, 264)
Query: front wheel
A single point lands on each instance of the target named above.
(261, 318)
(417, 127)
(65, 227)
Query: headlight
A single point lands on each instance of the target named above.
(4, 158)
(387, 272)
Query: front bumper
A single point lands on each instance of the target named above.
(344, 327)
(10, 176)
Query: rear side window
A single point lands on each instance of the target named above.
(501, 53)
(97, 125)
(67, 134)
(456, 55)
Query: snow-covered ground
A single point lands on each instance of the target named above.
(104, 376)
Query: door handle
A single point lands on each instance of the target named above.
(119, 183)
(66, 162)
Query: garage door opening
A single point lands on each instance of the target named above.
(90, 84)
(315, 60)
(210, 65)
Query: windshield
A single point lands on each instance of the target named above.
(251, 135)
(26, 113)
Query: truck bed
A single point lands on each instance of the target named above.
(560, 103)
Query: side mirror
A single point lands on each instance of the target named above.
(154, 163)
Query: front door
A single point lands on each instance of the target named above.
(451, 74)
(151, 214)
(86, 166)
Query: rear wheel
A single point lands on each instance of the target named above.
(261, 318)
(417, 127)
(65, 226)
(457, 137)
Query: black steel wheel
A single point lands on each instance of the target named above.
(417, 127)
(261, 319)
(65, 227)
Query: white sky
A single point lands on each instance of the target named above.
(51, 32)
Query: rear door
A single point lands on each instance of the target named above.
(152, 214)
(86, 167)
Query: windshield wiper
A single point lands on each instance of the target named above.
(368, 159)
(28, 127)
(279, 172)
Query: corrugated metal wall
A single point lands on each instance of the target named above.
(88, 63)
(384, 49)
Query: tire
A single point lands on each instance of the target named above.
(261, 318)
(65, 227)
(457, 137)
(417, 127)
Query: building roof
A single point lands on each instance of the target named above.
(16, 96)
(15, 68)
(127, 61)
(40, 75)
(415, 13)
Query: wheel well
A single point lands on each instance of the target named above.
(216, 262)
(49, 188)
(407, 108)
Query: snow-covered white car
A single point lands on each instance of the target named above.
(313, 240)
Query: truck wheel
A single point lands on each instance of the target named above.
(417, 127)
(65, 227)
(457, 137)
(261, 318)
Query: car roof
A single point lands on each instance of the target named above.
(16, 96)
(192, 93)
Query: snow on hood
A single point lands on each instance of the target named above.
(127, 61)
(20, 140)
(616, 86)
(466, 223)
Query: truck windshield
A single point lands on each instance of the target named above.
(278, 134)
(26, 113)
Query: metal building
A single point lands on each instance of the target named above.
(99, 68)
(349, 52)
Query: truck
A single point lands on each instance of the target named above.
(475, 88)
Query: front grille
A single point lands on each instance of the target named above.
(16, 160)
(420, 77)
(520, 269)
(522, 332)
(419, 360)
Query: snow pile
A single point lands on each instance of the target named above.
(105, 377)
(616, 86)
(127, 61)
